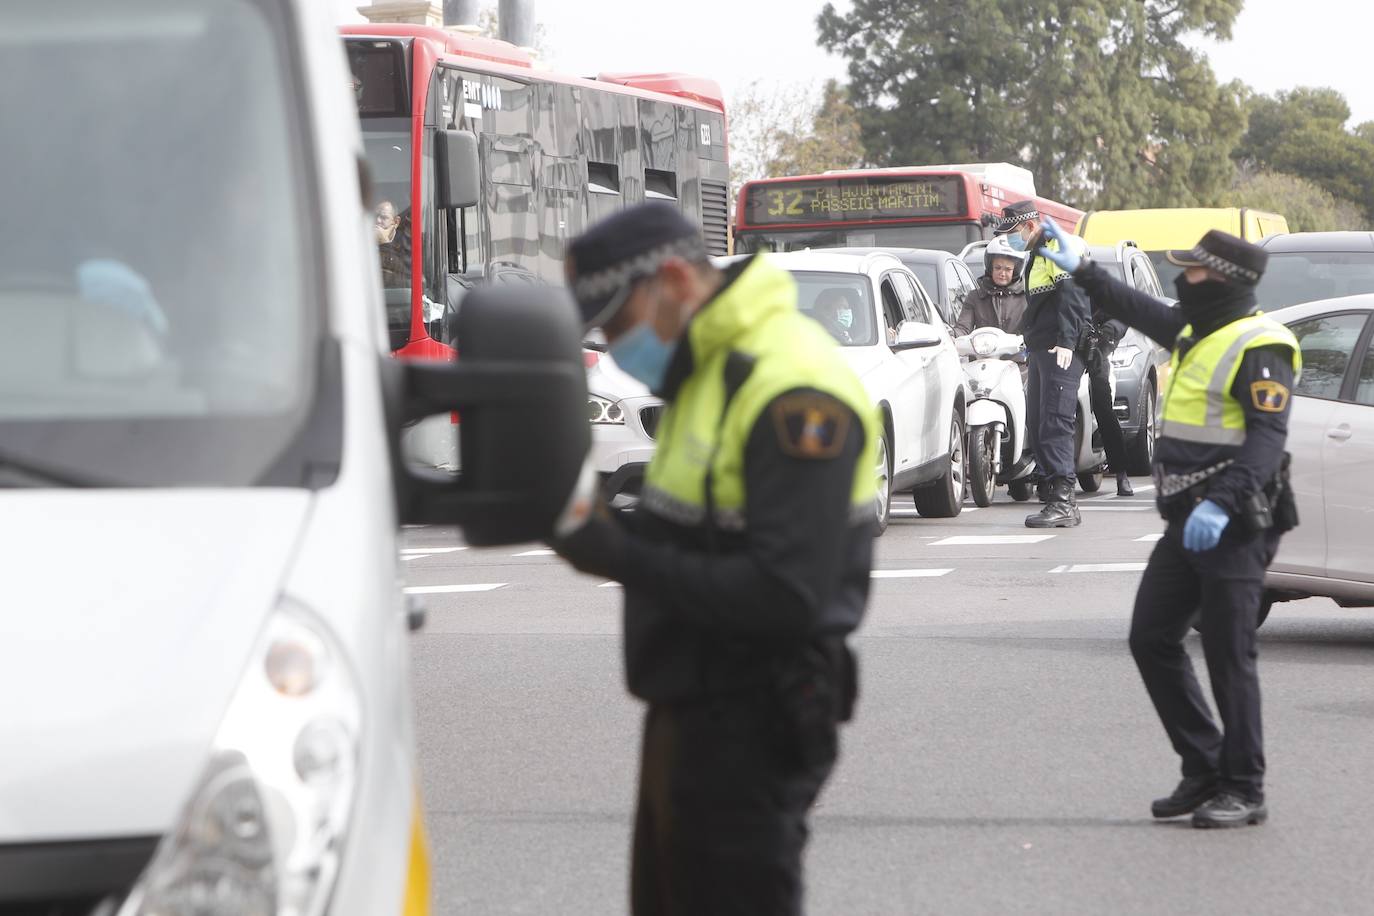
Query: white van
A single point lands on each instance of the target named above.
(204, 701)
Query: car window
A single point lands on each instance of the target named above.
(1328, 345)
(1143, 276)
(924, 298)
(954, 285)
(912, 307)
(832, 299)
(892, 308)
(929, 276)
(1307, 276)
(1364, 385)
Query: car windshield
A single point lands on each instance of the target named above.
(951, 237)
(156, 322)
(1166, 271)
(1306, 276)
(841, 303)
(929, 275)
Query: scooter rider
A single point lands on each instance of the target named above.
(1056, 313)
(999, 299)
(1221, 472)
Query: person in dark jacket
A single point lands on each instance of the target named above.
(1103, 334)
(745, 564)
(999, 299)
(1221, 486)
(1053, 326)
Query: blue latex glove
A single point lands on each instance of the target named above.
(1204, 526)
(1065, 257)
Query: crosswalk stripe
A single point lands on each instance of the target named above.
(609, 585)
(962, 539)
(909, 573)
(453, 589)
(1150, 538)
(541, 552)
(431, 550)
(1114, 508)
(1099, 567)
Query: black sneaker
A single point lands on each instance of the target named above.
(1226, 809)
(1191, 794)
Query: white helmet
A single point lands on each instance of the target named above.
(999, 247)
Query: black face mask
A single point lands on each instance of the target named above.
(1213, 302)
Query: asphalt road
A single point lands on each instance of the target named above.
(1002, 760)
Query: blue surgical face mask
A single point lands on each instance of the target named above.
(641, 355)
(845, 318)
(1015, 241)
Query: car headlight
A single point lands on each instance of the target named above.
(983, 344)
(600, 410)
(1125, 355)
(264, 829)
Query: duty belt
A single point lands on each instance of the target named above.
(1167, 485)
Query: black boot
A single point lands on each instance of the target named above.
(1226, 809)
(1123, 484)
(1192, 793)
(1062, 509)
(1042, 489)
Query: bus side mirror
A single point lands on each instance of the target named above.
(520, 389)
(458, 173)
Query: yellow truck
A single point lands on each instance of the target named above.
(1157, 231)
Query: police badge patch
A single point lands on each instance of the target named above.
(1269, 396)
(810, 425)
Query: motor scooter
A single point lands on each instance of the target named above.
(995, 414)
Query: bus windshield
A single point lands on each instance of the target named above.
(160, 324)
(951, 237)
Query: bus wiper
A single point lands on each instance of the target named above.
(40, 475)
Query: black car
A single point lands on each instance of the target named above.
(1308, 266)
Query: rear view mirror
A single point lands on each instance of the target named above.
(913, 335)
(520, 390)
(458, 174)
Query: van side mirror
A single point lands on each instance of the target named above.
(459, 183)
(912, 335)
(520, 389)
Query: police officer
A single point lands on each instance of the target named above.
(1220, 473)
(1056, 313)
(745, 564)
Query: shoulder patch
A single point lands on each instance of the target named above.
(1269, 396)
(810, 425)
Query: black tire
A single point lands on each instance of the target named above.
(882, 472)
(980, 465)
(1021, 490)
(1090, 481)
(944, 498)
(1140, 453)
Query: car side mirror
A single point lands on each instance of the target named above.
(520, 392)
(459, 183)
(913, 335)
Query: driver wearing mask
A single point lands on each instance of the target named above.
(835, 310)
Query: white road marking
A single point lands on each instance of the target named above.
(609, 585)
(453, 589)
(959, 539)
(542, 552)
(909, 573)
(416, 556)
(1148, 486)
(1114, 508)
(1099, 567)
(1150, 538)
(431, 550)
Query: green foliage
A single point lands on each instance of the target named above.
(789, 130)
(1302, 132)
(831, 141)
(1307, 206)
(1106, 101)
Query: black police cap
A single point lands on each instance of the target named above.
(1234, 258)
(1013, 215)
(604, 262)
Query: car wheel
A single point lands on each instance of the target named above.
(1140, 458)
(1021, 490)
(945, 497)
(1090, 481)
(882, 472)
(980, 463)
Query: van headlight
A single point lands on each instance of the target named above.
(264, 829)
(1124, 355)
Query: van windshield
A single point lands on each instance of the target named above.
(158, 326)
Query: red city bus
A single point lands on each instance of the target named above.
(938, 206)
(484, 167)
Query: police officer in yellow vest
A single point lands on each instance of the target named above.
(1221, 474)
(745, 564)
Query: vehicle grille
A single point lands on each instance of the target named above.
(715, 217)
(649, 418)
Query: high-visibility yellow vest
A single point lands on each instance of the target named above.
(1044, 275)
(756, 316)
(1198, 405)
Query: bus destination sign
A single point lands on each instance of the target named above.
(876, 197)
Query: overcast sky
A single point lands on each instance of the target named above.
(1277, 44)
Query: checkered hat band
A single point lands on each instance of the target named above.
(1011, 222)
(1224, 267)
(612, 279)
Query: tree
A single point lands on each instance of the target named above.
(785, 129)
(1307, 206)
(1302, 132)
(1103, 100)
(831, 141)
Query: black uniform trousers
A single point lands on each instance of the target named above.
(1104, 410)
(1224, 586)
(1051, 401)
(721, 820)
